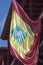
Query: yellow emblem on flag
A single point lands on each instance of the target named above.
(21, 35)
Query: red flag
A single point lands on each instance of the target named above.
(24, 36)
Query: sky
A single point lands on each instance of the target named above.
(4, 9)
(3, 43)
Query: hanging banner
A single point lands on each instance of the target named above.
(24, 35)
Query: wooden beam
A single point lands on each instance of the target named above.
(30, 8)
